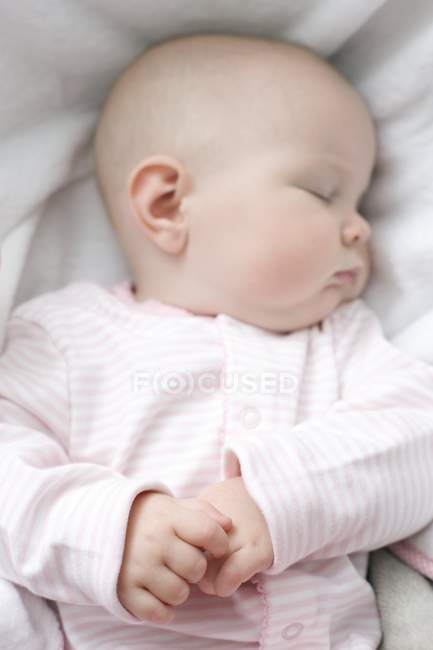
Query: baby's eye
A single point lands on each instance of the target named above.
(326, 196)
(323, 196)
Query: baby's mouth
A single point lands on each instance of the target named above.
(345, 277)
(348, 275)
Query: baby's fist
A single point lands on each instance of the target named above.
(250, 545)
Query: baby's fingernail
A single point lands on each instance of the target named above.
(207, 587)
(224, 592)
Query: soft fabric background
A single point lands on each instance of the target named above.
(59, 59)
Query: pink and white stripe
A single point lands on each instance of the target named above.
(102, 397)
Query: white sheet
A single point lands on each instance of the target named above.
(15, 248)
(58, 60)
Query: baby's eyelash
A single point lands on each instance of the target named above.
(324, 197)
(321, 196)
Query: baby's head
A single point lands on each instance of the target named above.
(232, 168)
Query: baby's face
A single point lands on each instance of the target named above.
(276, 235)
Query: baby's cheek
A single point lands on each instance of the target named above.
(277, 271)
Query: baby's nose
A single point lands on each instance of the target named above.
(356, 230)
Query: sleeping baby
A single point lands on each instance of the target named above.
(202, 456)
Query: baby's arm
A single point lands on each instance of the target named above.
(358, 477)
(63, 524)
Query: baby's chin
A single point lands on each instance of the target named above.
(288, 319)
(308, 314)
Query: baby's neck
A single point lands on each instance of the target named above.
(174, 297)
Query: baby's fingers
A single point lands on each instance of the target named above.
(145, 606)
(202, 531)
(238, 568)
(207, 583)
(209, 509)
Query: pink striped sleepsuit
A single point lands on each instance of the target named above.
(102, 398)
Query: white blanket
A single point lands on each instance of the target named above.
(58, 61)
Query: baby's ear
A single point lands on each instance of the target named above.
(156, 188)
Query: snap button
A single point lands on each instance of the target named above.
(292, 631)
(250, 417)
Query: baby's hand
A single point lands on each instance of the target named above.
(250, 546)
(164, 550)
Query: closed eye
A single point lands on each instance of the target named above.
(322, 196)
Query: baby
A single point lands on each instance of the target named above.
(202, 458)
